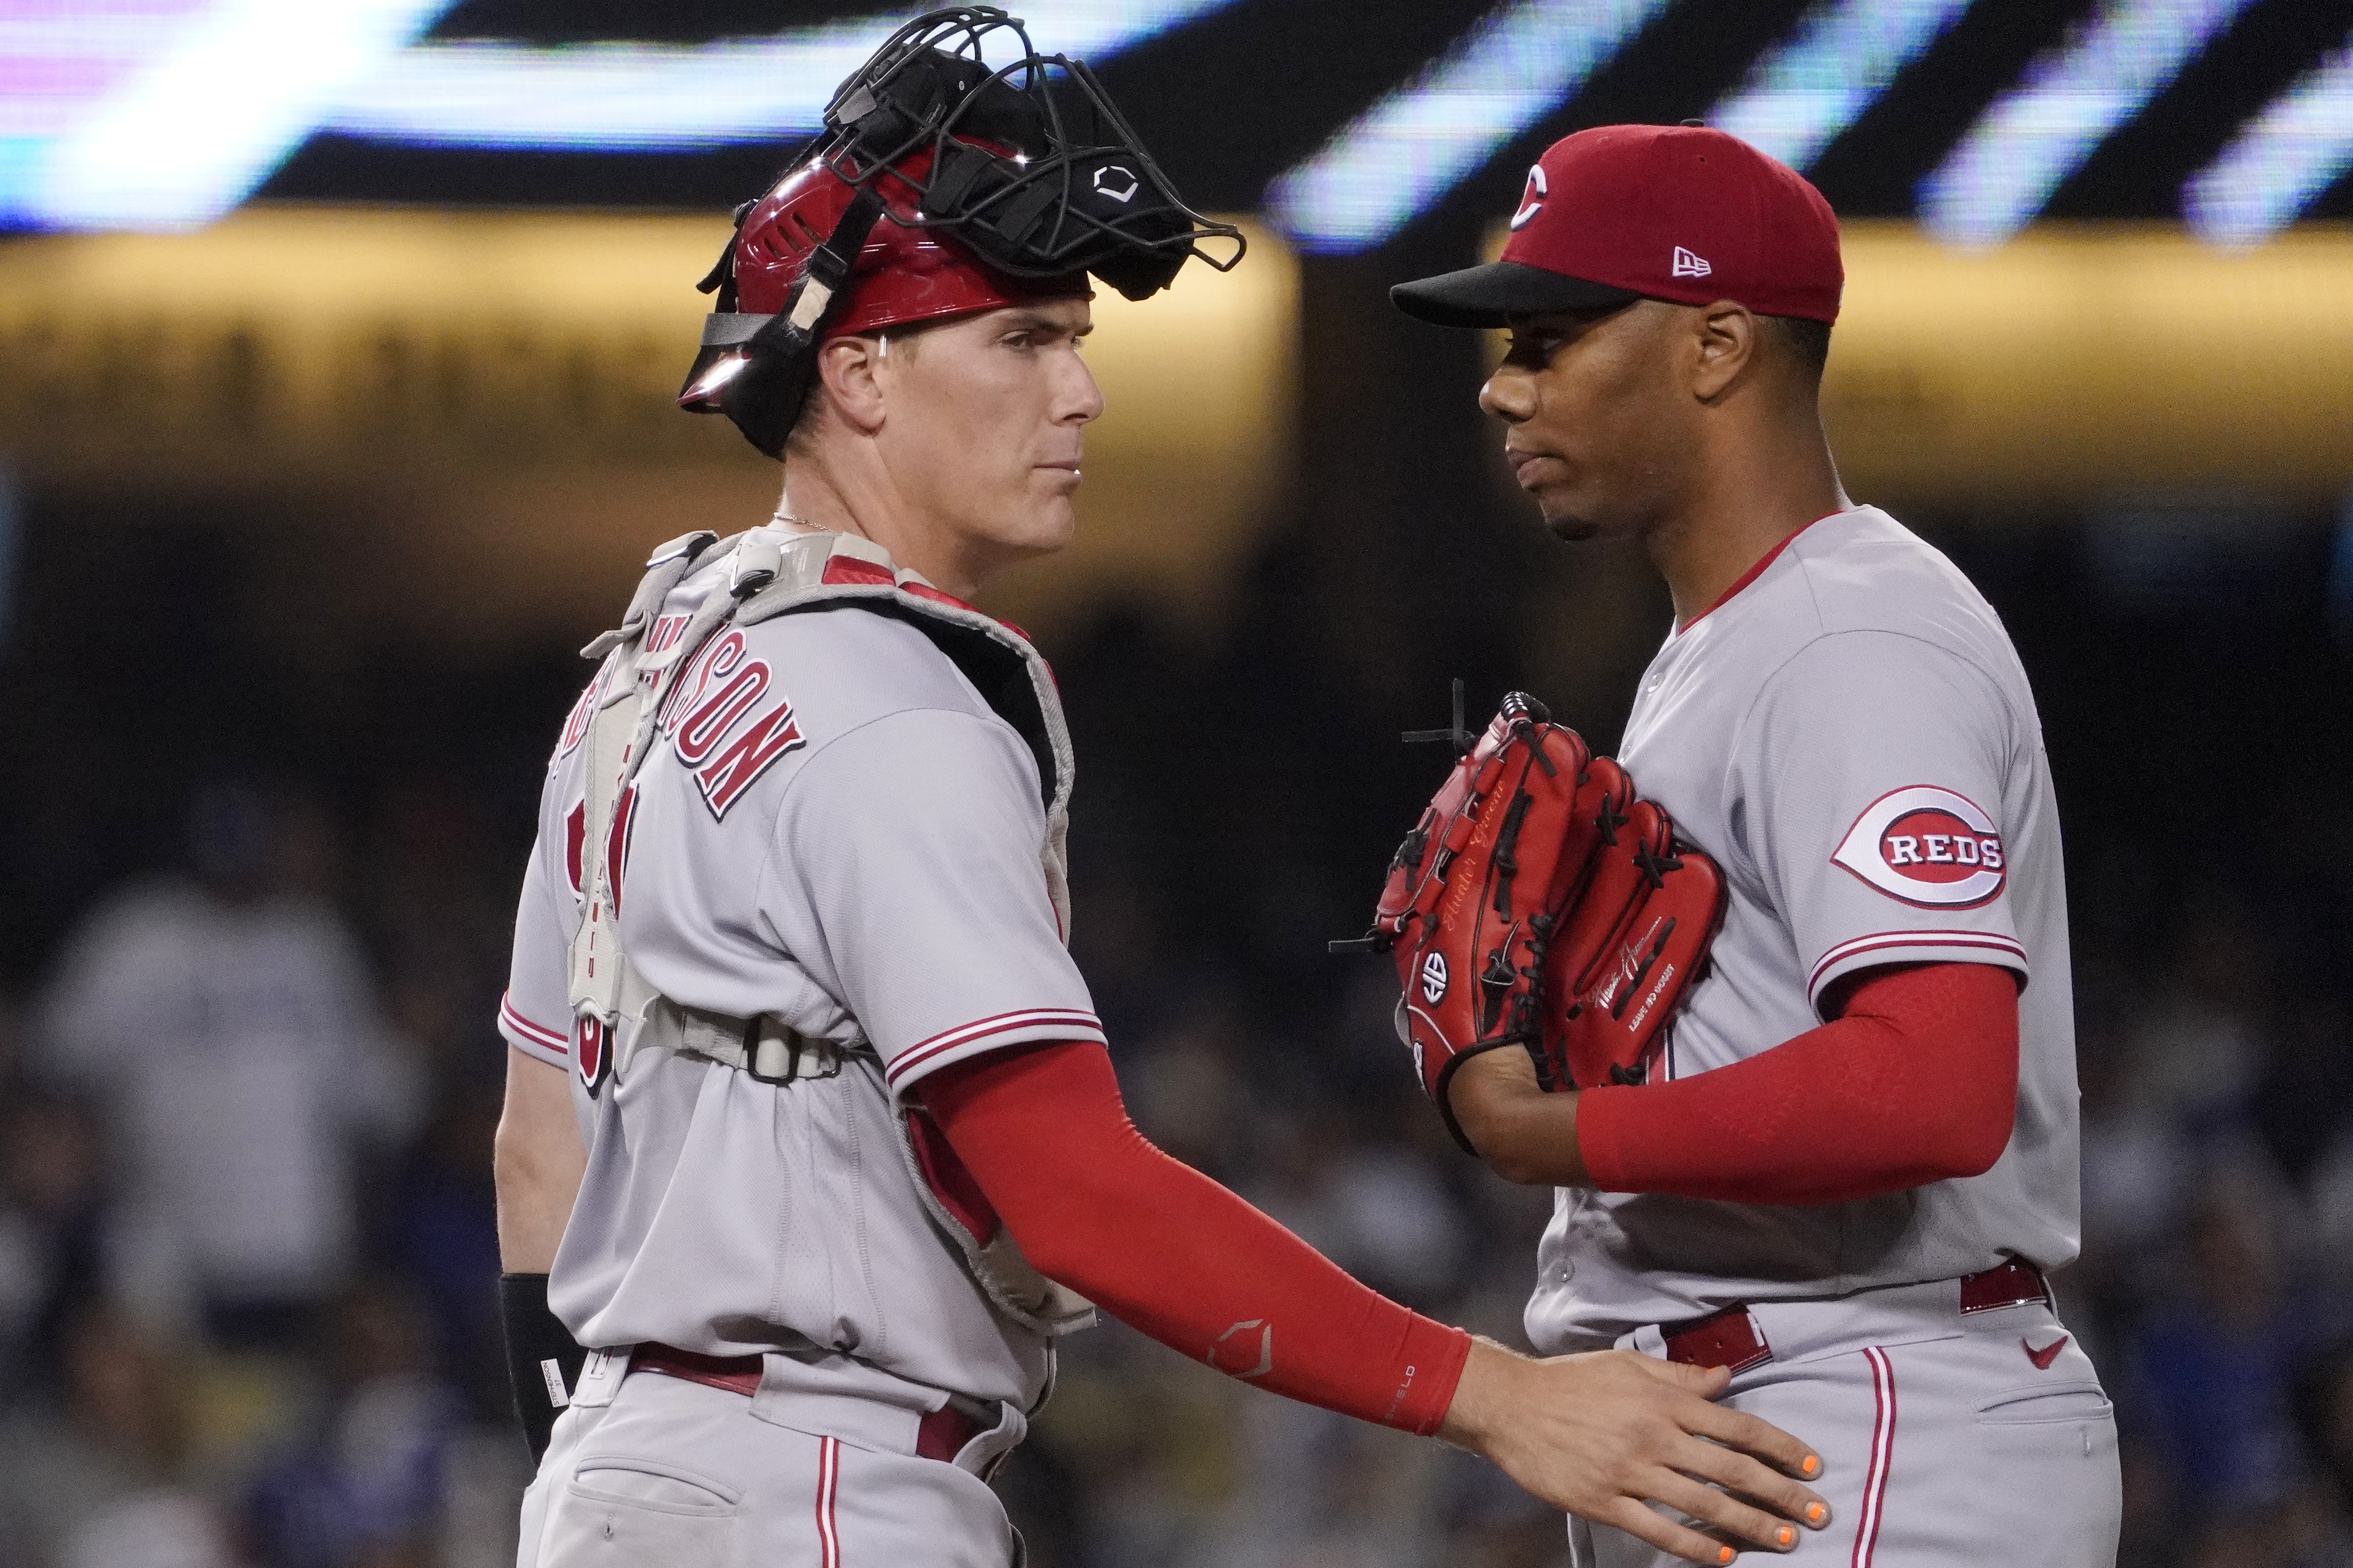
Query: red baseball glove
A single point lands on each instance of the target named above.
(1536, 903)
(1629, 948)
(1474, 891)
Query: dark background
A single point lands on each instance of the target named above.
(1239, 794)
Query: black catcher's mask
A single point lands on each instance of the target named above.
(1031, 169)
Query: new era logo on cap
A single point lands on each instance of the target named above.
(1689, 266)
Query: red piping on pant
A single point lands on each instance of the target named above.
(828, 1473)
(1883, 1451)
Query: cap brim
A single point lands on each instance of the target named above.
(1490, 296)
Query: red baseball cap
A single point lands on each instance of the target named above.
(1663, 212)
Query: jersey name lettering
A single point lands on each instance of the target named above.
(665, 631)
(726, 777)
(699, 731)
(714, 696)
(716, 659)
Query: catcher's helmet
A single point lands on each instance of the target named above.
(940, 185)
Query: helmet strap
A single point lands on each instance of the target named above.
(794, 329)
(765, 397)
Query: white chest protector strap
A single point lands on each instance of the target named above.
(775, 574)
(604, 989)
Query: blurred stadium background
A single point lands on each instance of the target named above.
(336, 345)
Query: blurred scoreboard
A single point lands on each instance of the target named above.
(161, 114)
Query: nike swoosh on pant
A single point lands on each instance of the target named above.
(2044, 1358)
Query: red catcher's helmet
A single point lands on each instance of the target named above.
(904, 273)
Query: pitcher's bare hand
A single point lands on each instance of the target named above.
(1603, 1435)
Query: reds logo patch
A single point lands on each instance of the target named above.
(1925, 846)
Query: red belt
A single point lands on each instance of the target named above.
(1731, 1338)
(941, 1434)
(2013, 1284)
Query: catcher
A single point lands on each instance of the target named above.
(1785, 1015)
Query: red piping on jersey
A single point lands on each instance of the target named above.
(1751, 574)
(1889, 941)
(1081, 1026)
(1163, 1248)
(1916, 1082)
(537, 1033)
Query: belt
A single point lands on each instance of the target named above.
(1732, 1339)
(941, 1434)
(2014, 1284)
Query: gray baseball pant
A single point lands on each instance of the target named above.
(673, 1474)
(1948, 1440)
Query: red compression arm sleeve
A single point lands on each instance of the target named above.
(1917, 1082)
(1164, 1249)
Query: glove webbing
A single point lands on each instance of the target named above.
(1495, 978)
(1507, 839)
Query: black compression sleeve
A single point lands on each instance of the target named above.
(542, 1356)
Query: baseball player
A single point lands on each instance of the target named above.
(1846, 1172)
(811, 1137)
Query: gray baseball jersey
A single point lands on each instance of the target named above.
(1849, 735)
(833, 828)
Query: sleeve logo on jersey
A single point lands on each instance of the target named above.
(724, 724)
(1925, 846)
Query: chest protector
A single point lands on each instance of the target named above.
(617, 1012)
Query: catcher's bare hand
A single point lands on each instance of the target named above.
(1603, 1436)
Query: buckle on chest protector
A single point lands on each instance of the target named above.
(776, 1053)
